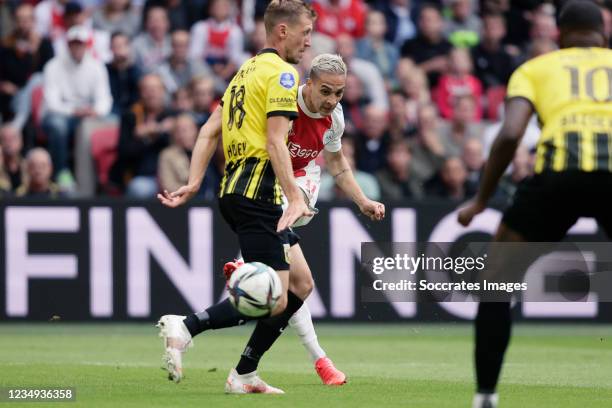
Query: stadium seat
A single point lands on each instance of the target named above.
(495, 98)
(104, 142)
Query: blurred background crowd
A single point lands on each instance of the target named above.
(105, 97)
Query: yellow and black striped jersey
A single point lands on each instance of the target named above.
(264, 86)
(571, 91)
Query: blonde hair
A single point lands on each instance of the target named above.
(289, 11)
(327, 64)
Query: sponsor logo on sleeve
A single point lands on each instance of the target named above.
(287, 80)
(330, 137)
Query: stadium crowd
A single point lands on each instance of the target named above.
(106, 97)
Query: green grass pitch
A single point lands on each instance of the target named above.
(410, 365)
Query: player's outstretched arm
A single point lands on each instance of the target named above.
(278, 128)
(205, 147)
(518, 113)
(339, 167)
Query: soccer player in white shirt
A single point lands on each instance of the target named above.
(319, 128)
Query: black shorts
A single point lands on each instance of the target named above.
(255, 224)
(546, 205)
(294, 238)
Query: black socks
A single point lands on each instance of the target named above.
(218, 316)
(265, 334)
(267, 330)
(493, 327)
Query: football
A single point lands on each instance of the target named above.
(254, 288)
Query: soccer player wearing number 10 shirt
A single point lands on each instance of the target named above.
(571, 92)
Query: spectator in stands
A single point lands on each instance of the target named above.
(427, 148)
(403, 70)
(38, 182)
(459, 81)
(541, 46)
(203, 94)
(173, 169)
(461, 127)
(117, 16)
(75, 87)
(451, 182)
(374, 48)
(400, 26)
(367, 182)
(354, 103)
(429, 50)
(340, 17)
(182, 100)
(368, 74)
(49, 16)
(11, 142)
(394, 179)
(516, 14)
(218, 40)
(257, 39)
(412, 82)
(179, 68)
(493, 63)
(23, 53)
(123, 74)
(400, 126)
(144, 134)
(372, 141)
(98, 41)
(182, 14)
(7, 9)
(543, 24)
(152, 47)
(250, 12)
(473, 158)
(464, 26)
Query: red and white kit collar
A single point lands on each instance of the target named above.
(304, 108)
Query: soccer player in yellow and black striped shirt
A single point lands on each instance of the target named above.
(255, 116)
(571, 92)
(264, 87)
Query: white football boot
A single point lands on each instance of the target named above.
(176, 341)
(248, 384)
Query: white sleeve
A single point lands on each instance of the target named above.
(373, 82)
(102, 46)
(198, 41)
(236, 46)
(52, 89)
(103, 100)
(333, 137)
(42, 18)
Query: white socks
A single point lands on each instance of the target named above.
(301, 321)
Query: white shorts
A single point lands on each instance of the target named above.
(310, 183)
